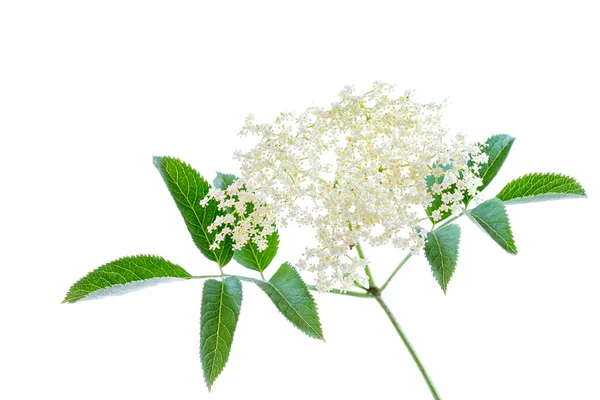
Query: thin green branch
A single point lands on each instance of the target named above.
(361, 254)
(408, 346)
(205, 276)
(406, 258)
(448, 221)
(310, 287)
(338, 291)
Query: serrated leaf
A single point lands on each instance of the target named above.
(188, 187)
(540, 187)
(492, 218)
(221, 305)
(222, 181)
(290, 295)
(441, 250)
(123, 276)
(497, 148)
(250, 257)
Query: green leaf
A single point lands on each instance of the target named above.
(221, 304)
(497, 148)
(125, 275)
(292, 298)
(540, 187)
(188, 187)
(492, 218)
(441, 250)
(222, 181)
(251, 258)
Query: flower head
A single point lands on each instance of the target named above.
(362, 170)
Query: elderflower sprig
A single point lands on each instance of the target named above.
(373, 168)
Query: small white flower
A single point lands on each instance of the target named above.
(229, 219)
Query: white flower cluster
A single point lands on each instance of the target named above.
(247, 218)
(355, 172)
(453, 178)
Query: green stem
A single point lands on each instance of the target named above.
(361, 254)
(448, 221)
(436, 396)
(358, 285)
(395, 272)
(206, 276)
(370, 275)
(337, 291)
(310, 287)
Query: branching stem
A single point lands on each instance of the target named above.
(373, 292)
(310, 287)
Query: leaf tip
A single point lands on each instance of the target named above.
(68, 299)
(319, 335)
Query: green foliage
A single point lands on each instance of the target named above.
(222, 181)
(222, 299)
(492, 218)
(540, 187)
(124, 275)
(291, 296)
(251, 258)
(441, 250)
(188, 187)
(497, 148)
(221, 304)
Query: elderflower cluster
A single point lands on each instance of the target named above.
(247, 218)
(362, 170)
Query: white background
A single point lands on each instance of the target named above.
(90, 91)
